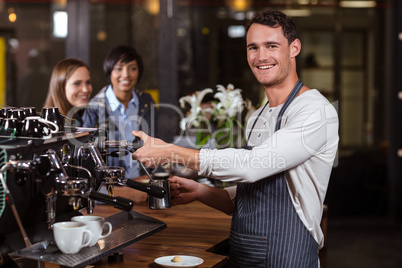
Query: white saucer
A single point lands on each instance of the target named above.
(186, 261)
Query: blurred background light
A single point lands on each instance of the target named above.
(236, 31)
(60, 24)
(357, 4)
(12, 17)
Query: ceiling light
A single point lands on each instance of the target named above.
(153, 7)
(357, 4)
(60, 24)
(297, 12)
(239, 5)
(12, 17)
(236, 31)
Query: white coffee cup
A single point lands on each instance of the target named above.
(71, 236)
(40, 119)
(96, 224)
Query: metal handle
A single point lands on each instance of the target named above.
(152, 190)
(118, 202)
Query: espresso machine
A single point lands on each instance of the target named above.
(51, 176)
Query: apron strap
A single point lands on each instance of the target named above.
(292, 95)
(290, 98)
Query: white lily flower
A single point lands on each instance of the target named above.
(220, 118)
(183, 123)
(230, 99)
(189, 121)
(195, 100)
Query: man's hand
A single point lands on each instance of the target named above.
(183, 191)
(154, 152)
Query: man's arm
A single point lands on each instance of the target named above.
(311, 131)
(184, 191)
(156, 152)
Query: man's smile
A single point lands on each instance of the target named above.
(265, 67)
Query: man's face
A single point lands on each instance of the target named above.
(268, 54)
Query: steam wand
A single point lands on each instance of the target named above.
(137, 143)
(146, 171)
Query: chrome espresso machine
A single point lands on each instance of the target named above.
(49, 172)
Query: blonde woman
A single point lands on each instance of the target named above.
(70, 86)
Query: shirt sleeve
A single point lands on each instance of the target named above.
(232, 192)
(304, 134)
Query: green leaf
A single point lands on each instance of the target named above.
(201, 139)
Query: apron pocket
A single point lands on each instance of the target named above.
(247, 250)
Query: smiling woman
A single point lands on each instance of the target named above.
(120, 107)
(79, 87)
(70, 86)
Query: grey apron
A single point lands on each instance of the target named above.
(266, 230)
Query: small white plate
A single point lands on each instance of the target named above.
(186, 261)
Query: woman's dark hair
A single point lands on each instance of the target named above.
(125, 54)
(275, 19)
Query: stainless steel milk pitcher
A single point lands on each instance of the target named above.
(160, 179)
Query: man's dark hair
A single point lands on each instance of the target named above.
(275, 19)
(125, 54)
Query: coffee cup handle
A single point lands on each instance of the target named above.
(88, 237)
(56, 127)
(110, 229)
(49, 135)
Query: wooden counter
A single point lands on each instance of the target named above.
(191, 230)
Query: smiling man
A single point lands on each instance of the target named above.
(283, 172)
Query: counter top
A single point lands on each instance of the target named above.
(192, 229)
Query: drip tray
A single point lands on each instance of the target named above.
(128, 228)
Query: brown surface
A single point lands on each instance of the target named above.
(191, 230)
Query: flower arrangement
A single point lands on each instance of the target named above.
(220, 120)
